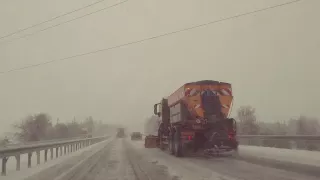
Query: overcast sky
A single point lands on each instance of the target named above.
(271, 58)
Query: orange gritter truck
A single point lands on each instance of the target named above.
(195, 119)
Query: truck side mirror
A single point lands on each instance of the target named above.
(155, 110)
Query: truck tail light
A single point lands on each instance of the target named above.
(231, 135)
(189, 138)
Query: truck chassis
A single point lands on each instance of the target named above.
(180, 141)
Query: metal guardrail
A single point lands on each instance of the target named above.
(65, 146)
(37, 142)
(43, 141)
(287, 137)
(306, 142)
(303, 142)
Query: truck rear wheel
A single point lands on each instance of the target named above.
(161, 144)
(178, 146)
(171, 143)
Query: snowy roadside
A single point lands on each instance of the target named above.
(50, 165)
(285, 155)
(302, 161)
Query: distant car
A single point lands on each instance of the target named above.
(89, 136)
(121, 133)
(136, 136)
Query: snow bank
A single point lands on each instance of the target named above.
(284, 155)
(302, 161)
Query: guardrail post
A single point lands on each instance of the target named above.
(51, 151)
(38, 157)
(60, 150)
(65, 149)
(18, 162)
(293, 144)
(45, 155)
(29, 159)
(4, 166)
(57, 151)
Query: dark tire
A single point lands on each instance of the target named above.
(161, 145)
(171, 144)
(160, 134)
(178, 146)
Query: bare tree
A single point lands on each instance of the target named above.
(306, 125)
(61, 130)
(247, 120)
(89, 124)
(34, 127)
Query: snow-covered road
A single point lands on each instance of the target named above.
(123, 159)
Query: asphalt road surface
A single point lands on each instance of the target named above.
(123, 159)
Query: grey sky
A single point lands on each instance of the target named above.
(269, 57)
